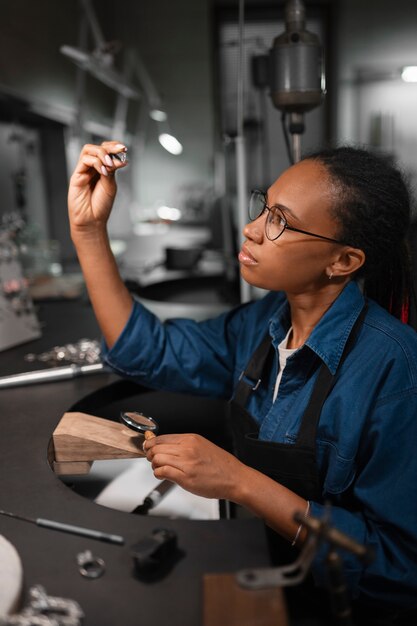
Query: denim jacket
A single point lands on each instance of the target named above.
(367, 435)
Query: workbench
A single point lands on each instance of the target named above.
(28, 487)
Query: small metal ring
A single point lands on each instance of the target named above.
(90, 566)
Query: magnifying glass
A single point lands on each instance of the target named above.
(138, 422)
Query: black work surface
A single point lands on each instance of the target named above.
(28, 416)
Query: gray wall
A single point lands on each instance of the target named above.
(377, 38)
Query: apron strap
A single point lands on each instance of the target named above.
(250, 378)
(323, 385)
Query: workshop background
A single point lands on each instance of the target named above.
(189, 50)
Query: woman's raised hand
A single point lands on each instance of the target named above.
(93, 187)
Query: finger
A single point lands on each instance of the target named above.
(114, 146)
(148, 435)
(151, 447)
(170, 473)
(104, 155)
(148, 444)
(163, 458)
(167, 472)
(91, 161)
(105, 163)
(164, 449)
(174, 438)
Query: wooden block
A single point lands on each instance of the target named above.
(83, 437)
(71, 468)
(225, 602)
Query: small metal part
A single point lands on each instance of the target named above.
(319, 531)
(64, 610)
(83, 352)
(119, 156)
(90, 566)
(44, 610)
(18, 619)
(286, 575)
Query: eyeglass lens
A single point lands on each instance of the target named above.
(256, 204)
(275, 220)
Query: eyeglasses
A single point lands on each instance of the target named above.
(276, 222)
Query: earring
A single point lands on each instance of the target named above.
(330, 276)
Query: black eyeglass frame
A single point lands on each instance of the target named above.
(286, 226)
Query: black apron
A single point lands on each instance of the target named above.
(292, 465)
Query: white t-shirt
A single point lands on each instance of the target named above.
(283, 354)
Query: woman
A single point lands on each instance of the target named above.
(323, 380)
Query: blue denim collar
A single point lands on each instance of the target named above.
(329, 337)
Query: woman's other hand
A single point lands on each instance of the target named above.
(206, 470)
(195, 464)
(93, 187)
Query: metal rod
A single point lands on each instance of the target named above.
(44, 376)
(68, 528)
(241, 177)
(335, 537)
(296, 147)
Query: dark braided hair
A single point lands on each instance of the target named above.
(373, 210)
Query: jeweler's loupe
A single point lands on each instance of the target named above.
(139, 422)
